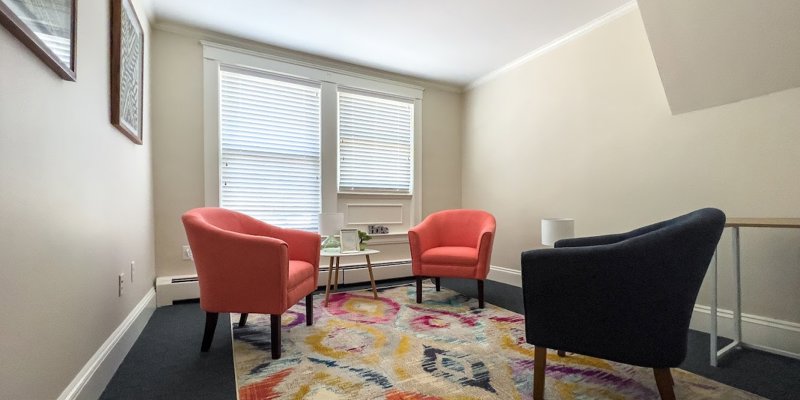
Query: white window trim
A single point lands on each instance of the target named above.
(215, 54)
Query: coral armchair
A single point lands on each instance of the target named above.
(452, 244)
(624, 297)
(247, 266)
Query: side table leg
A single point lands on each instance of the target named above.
(371, 278)
(336, 276)
(737, 274)
(328, 286)
(713, 314)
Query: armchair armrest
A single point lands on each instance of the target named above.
(591, 240)
(302, 245)
(610, 239)
(485, 242)
(422, 236)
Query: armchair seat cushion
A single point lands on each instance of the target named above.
(299, 272)
(451, 255)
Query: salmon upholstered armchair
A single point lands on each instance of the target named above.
(248, 266)
(452, 244)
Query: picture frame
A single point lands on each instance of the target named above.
(349, 240)
(127, 70)
(48, 28)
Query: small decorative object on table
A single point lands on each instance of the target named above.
(363, 237)
(329, 224)
(349, 239)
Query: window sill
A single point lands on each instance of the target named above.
(388, 238)
(376, 195)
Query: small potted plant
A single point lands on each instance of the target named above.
(363, 238)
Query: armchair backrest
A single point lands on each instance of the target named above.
(461, 227)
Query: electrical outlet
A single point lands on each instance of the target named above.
(187, 253)
(133, 269)
(121, 282)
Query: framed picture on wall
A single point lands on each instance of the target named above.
(47, 28)
(127, 70)
(349, 240)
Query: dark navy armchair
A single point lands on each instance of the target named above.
(625, 297)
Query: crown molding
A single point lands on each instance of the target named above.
(594, 24)
(203, 35)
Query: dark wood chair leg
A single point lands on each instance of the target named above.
(664, 383)
(275, 335)
(208, 335)
(242, 319)
(438, 282)
(310, 309)
(562, 353)
(419, 290)
(480, 294)
(539, 365)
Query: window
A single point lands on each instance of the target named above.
(270, 148)
(375, 143)
(285, 140)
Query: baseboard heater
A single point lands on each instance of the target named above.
(170, 289)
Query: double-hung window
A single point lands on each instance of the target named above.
(270, 148)
(286, 140)
(375, 143)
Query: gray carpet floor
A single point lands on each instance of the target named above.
(165, 362)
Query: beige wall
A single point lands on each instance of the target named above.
(76, 205)
(178, 142)
(585, 131)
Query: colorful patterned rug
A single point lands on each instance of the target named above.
(444, 348)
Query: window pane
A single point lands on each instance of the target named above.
(375, 143)
(270, 148)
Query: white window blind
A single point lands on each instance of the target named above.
(375, 143)
(270, 148)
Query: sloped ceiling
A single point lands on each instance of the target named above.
(714, 52)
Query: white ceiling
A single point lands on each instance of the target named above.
(452, 41)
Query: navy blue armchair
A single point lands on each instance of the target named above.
(625, 297)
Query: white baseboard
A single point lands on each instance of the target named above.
(763, 333)
(98, 371)
(380, 272)
(505, 275)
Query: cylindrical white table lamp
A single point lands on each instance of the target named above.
(555, 229)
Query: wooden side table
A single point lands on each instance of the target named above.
(335, 255)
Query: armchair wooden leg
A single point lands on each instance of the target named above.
(438, 282)
(310, 309)
(242, 319)
(539, 365)
(275, 335)
(664, 383)
(208, 334)
(419, 290)
(480, 294)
